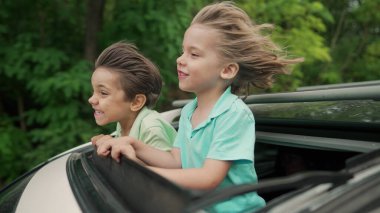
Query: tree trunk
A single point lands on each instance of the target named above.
(93, 25)
(21, 112)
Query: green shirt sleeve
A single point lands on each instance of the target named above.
(158, 137)
(157, 132)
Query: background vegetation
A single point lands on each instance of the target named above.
(47, 50)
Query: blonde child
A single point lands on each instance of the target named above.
(223, 51)
(125, 85)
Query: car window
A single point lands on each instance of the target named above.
(360, 111)
(126, 186)
(10, 195)
(352, 120)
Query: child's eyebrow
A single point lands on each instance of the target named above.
(102, 86)
(193, 48)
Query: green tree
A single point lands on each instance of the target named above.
(45, 83)
(354, 43)
(298, 28)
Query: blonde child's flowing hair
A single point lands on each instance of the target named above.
(241, 41)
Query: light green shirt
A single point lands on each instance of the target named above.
(150, 128)
(227, 134)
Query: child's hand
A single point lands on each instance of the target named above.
(98, 139)
(123, 148)
(117, 147)
(103, 144)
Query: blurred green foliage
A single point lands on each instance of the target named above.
(45, 79)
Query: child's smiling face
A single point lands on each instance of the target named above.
(108, 99)
(199, 67)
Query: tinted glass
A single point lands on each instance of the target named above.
(10, 195)
(361, 111)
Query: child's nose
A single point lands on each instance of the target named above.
(92, 100)
(180, 60)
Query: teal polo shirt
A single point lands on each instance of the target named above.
(227, 134)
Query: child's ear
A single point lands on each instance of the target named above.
(230, 71)
(138, 102)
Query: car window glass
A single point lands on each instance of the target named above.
(360, 111)
(10, 195)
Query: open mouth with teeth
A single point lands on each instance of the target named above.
(98, 113)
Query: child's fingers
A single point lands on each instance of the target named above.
(102, 138)
(104, 148)
(125, 149)
(129, 152)
(115, 153)
(95, 138)
(106, 153)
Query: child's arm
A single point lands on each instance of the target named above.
(144, 152)
(206, 178)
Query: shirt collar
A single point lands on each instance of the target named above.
(135, 129)
(223, 104)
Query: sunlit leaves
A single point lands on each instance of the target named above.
(298, 29)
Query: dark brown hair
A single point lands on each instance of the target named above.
(241, 41)
(138, 75)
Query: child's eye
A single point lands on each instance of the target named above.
(194, 55)
(103, 93)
